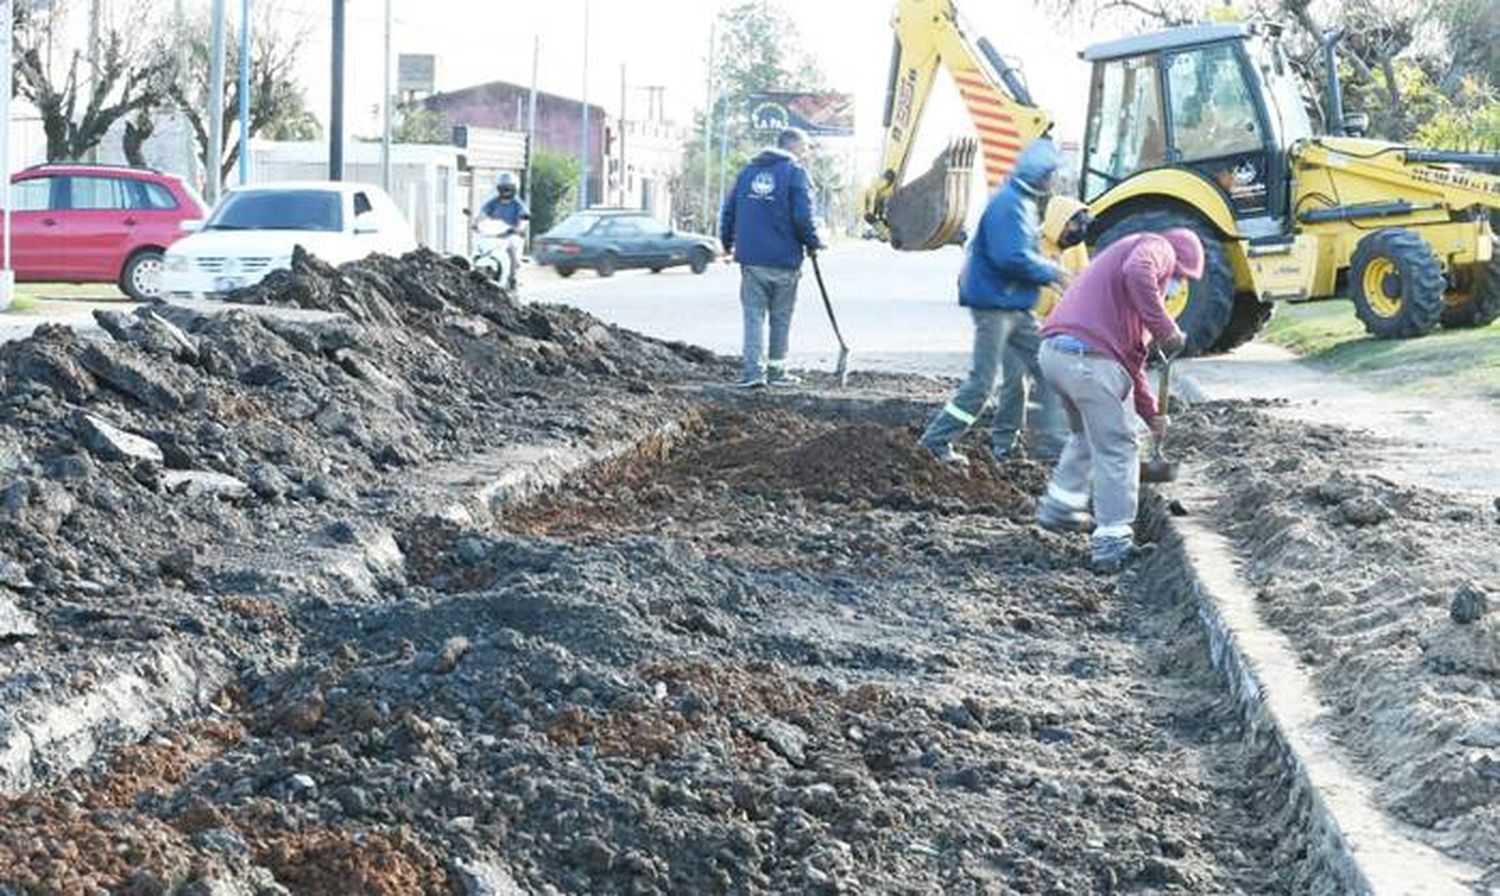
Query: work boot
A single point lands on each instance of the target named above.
(1109, 556)
(1056, 517)
(748, 383)
(1010, 452)
(946, 456)
(782, 378)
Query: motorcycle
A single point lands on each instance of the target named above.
(497, 246)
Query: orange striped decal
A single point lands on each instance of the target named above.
(999, 137)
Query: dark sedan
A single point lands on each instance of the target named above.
(608, 240)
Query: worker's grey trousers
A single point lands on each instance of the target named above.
(767, 292)
(995, 331)
(1102, 455)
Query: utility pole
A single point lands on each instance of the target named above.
(708, 120)
(583, 173)
(7, 276)
(95, 62)
(536, 55)
(723, 149)
(244, 92)
(622, 135)
(385, 137)
(214, 158)
(336, 114)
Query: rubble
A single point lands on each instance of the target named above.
(1469, 604)
(111, 443)
(15, 623)
(768, 650)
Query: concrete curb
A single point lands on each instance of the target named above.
(44, 738)
(516, 474)
(1350, 839)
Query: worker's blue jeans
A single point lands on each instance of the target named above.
(767, 293)
(996, 332)
(1049, 428)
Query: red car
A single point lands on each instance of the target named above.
(83, 223)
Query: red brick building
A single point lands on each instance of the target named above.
(559, 121)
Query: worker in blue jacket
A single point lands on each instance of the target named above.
(1003, 272)
(768, 223)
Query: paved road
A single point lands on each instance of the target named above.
(898, 310)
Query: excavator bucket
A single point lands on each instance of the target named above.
(929, 212)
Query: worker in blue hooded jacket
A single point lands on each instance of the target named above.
(1003, 273)
(769, 221)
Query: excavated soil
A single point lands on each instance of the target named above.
(640, 703)
(1390, 594)
(768, 651)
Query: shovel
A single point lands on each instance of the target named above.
(842, 370)
(1158, 468)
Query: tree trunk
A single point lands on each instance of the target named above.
(1398, 106)
(137, 132)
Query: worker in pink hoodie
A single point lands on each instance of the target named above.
(1093, 352)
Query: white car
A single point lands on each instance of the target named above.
(254, 229)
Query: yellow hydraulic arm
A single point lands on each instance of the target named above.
(929, 212)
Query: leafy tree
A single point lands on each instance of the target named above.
(418, 123)
(1471, 121)
(554, 184)
(758, 52)
(78, 101)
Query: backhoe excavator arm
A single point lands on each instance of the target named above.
(929, 212)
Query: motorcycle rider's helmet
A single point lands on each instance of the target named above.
(506, 185)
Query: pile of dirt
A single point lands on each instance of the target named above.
(182, 489)
(1372, 582)
(193, 425)
(730, 465)
(696, 700)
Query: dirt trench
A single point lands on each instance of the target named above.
(783, 654)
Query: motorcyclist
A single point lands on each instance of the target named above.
(509, 209)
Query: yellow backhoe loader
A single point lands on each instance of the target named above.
(1203, 126)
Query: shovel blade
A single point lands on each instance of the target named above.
(1159, 470)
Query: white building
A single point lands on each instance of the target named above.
(424, 181)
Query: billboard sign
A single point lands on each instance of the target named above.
(822, 114)
(416, 72)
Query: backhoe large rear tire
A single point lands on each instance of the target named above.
(1206, 311)
(1397, 284)
(1480, 307)
(1246, 319)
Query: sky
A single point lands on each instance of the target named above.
(664, 42)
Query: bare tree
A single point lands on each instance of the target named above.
(277, 102)
(80, 98)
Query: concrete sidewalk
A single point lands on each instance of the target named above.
(75, 313)
(1447, 443)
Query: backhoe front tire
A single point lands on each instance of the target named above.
(1246, 319)
(1211, 299)
(1397, 284)
(1481, 307)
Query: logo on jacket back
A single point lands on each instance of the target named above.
(762, 185)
